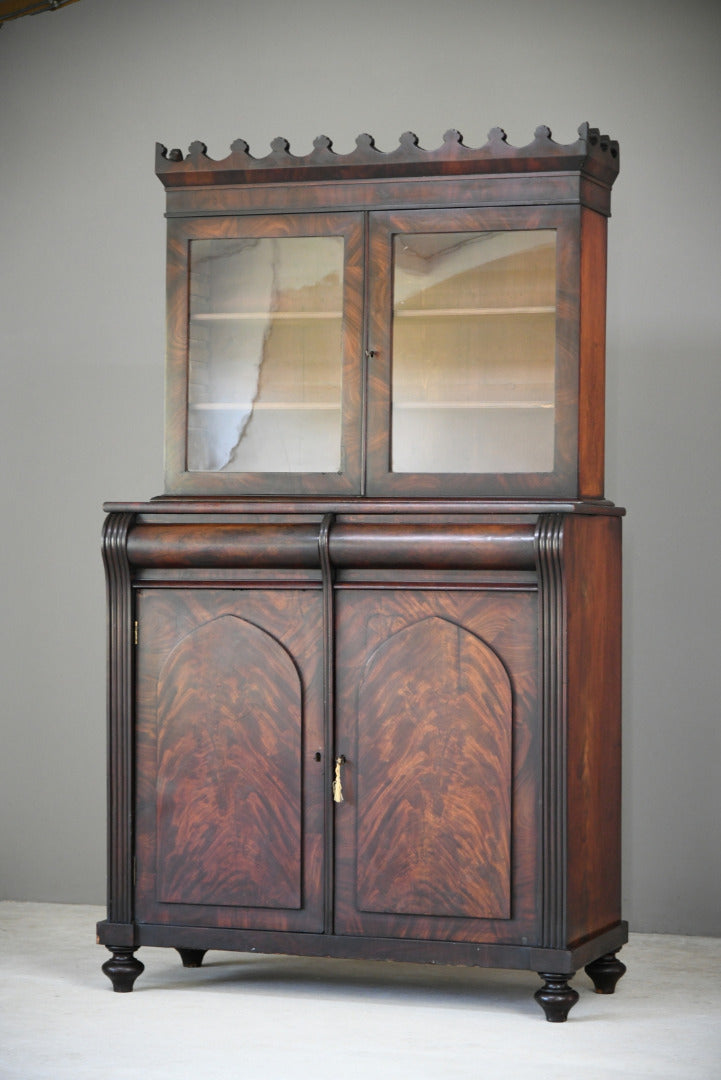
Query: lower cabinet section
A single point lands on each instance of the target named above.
(328, 741)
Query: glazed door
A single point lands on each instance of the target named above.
(229, 734)
(473, 379)
(264, 354)
(436, 836)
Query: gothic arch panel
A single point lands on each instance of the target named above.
(434, 775)
(229, 733)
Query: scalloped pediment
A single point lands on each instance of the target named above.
(592, 152)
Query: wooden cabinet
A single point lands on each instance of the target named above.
(365, 652)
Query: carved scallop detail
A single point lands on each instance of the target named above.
(596, 153)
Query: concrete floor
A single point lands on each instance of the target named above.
(280, 1018)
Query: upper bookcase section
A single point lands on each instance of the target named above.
(418, 323)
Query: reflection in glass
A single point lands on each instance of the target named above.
(474, 352)
(265, 354)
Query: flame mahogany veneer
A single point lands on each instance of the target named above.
(375, 714)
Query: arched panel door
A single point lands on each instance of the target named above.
(434, 769)
(228, 786)
(229, 717)
(436, 835)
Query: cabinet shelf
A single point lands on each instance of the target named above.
(434, 313)
(273, 406)
(264, 316)
(328, 406)
(473, 405)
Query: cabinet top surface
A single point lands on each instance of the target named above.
(593, 154)
(168, 504)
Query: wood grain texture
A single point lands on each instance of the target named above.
(522, 189)
(593, 570)
(425, 546)
(580, 576)
(434, 775)
(289, 545)
(592, 356)
(229, 792)
(437, 768)
(229, 758)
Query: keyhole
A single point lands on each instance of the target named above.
(317, 755)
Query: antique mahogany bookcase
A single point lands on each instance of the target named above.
(364, 678)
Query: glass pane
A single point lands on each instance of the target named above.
(265, 354)
(474, 352)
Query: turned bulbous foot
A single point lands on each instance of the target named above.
(556, 997)
(605, 973)
(123, 969)
(192, 958)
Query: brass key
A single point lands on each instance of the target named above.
(337, 784)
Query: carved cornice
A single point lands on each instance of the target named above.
(594, 154)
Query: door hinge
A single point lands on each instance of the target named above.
(135, 871)
(135, 632)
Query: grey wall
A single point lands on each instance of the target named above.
(84, 94)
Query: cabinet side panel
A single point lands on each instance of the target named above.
(594, 724)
